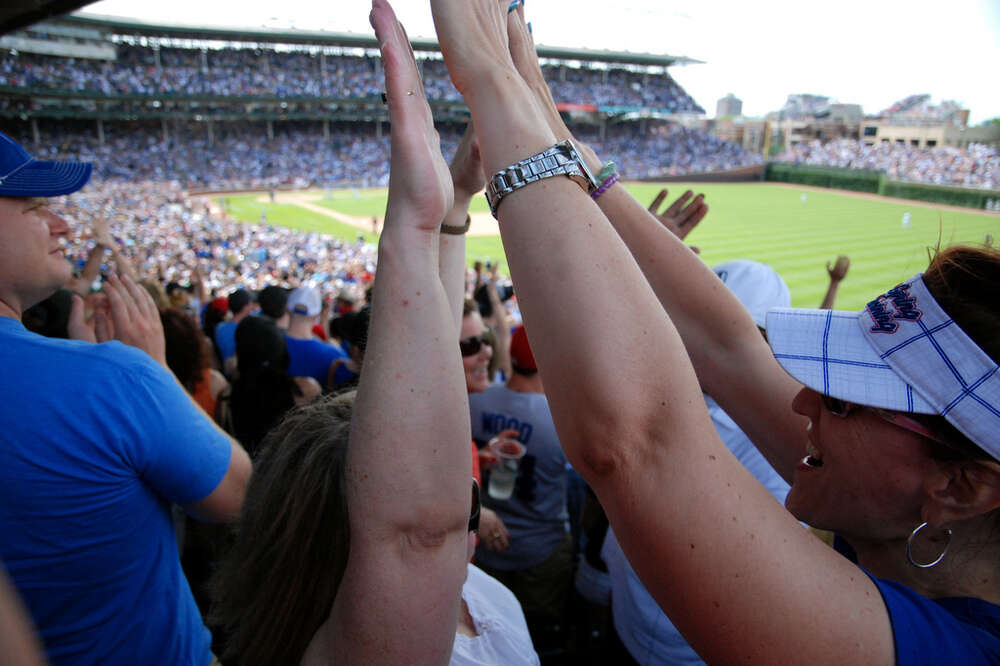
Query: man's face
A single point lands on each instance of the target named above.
(32, 263)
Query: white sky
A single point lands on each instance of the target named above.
(869, 52)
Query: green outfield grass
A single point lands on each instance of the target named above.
(764, 222)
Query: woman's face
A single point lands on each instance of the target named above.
(477, 377)
(861, 476)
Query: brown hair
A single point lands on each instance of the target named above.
(186, 348)
(278, 584)
(468, 307)
(958, 277)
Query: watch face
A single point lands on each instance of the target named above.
(592, 183)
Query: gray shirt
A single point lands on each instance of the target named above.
(535, 515)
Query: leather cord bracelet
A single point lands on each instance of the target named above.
(457, 231)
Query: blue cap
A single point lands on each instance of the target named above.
(21, 175)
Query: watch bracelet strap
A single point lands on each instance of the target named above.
(546, 164)
(456, 230)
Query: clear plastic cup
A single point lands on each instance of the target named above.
(504, 473)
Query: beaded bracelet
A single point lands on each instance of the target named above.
(606, 171)
(605, 186)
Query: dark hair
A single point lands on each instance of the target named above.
(263, 391)
(357, 327)
(958, 277)
(280, 579)
(51, 316)
(187, 355)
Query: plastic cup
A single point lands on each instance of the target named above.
(504, 473)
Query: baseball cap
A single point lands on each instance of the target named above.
(902, 352)
(757, 285)
(21, 175)
(305, 301)
(520, 351)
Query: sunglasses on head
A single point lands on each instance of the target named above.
(474, 513)
(843, 408)
(471, 346)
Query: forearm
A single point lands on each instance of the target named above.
(831, 295)
(501, 329)
(569, 265)
(451, 257)
(90, 270)
(410, 430)
(731, 358)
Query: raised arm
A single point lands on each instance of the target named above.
(837, 273)
(408, 463)
(468, 180)
(715, 550)
(733, 362)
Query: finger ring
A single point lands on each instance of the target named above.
(496, 535)
(409, 93)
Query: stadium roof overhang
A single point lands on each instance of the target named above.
(22, 13)
(139, 28)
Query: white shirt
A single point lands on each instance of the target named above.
(503, 632)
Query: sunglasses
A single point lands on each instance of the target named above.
(474, 514)
(471, 346)
(842, 408)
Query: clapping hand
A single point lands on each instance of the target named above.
(135, 317)
(467, 166)
(420, 189)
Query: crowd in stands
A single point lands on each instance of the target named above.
(169, 238)
(242, 157)
(978, 165)
(300, 74)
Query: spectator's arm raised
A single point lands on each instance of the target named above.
(738, 563)
(408, 463)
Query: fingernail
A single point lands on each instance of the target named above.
(530, 31)
(513, 5)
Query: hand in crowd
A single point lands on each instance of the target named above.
(683, 215)
(135, 317)
(101, 232)
(492, 532)
(467, 166)
(839, 269)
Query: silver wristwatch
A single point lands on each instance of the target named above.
(562, 159)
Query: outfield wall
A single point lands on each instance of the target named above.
(742, 175)
(876, 182)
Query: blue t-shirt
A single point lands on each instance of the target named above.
(312, 358)
(958, 630)
(98, 441)
(225, 339)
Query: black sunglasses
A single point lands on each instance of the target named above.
(474, 514)
(471, 346)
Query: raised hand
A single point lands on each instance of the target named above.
(683, 215)
(102, 234)
(467, 166)
(839, 270)
(473, 39)
(420, 189)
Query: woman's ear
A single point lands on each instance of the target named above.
(961, 490)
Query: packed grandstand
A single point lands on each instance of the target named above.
(241, 110)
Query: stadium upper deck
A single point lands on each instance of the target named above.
(105, 68)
